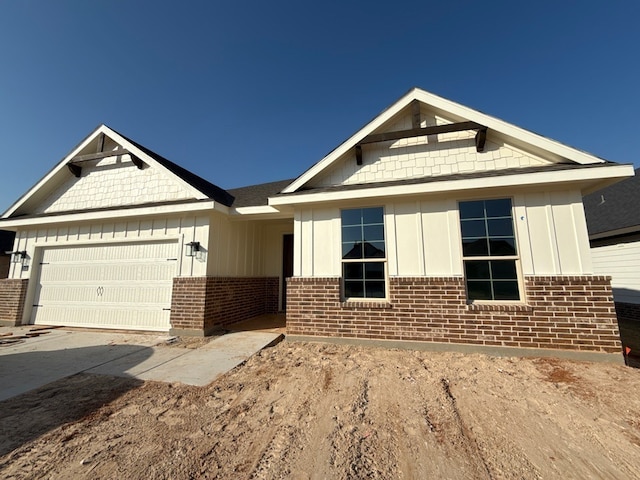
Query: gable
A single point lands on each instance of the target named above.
(108, 170)
(444, 147)
(424, 156)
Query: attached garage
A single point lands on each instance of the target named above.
(112, 285)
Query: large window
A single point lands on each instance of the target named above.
(363, 253)
(489, 250)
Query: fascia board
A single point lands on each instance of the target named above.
(114, 214)
(349, 143)
(521, 180)
(118, 139)
(43, 181)
(614, 233)
(149, 160)
(506, 129)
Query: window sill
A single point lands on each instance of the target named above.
(373, 304)
(499, 307)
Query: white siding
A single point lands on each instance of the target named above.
(236, 248)
(433, 155)
(113, 182)
(423, 236)
(180, 229)
(622, 262)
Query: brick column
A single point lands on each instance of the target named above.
(13, 293)
(202, 305)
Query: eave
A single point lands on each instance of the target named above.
(113, 214)
(586, 178)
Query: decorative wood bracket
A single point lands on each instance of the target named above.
(137, 162)
(480, 140)
(77, 169)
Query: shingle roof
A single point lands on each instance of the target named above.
(257, 195)
(614, 207)
(212, 191)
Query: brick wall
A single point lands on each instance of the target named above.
(206, 304)
(565, 312)
(13, 293)
(628, 311)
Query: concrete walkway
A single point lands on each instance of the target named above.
(40, 360)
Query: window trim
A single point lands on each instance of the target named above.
(516, 258)
(384, 260)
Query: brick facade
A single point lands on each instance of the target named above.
(628, 311)
(201, 305)
(562, 312)
(13, 293)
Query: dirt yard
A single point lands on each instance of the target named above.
(326, 411)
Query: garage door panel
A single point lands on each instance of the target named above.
(105, 272)
(158, 294)
(121, 318)
(107, 286)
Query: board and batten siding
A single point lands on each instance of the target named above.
(181, 230)
(622, 262)
(423, 236)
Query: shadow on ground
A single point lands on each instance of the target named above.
(70, 398)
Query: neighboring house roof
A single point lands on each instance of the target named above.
(257, 195)
(614, 209)
(518, 136)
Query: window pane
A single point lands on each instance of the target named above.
(353, 289)
(352, 234)
(503, 270)
(374, 250)
(374, 271)
(477, 269)
(500, 227)
(352, 217)
(352, 250)
(479, 290)
(373, 232)
(502, 246)
(471, 209)
(352, 271)
(374, 289)
(473, 248)
(372, 215)
(498, 208)
(506, 290)
(473, 228)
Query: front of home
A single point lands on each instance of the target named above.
(433, 223)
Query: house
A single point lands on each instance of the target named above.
(432, 223)
(613, 220)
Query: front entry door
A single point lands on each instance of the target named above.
(287, 265)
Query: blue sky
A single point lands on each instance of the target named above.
(250, 92)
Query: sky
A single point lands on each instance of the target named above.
(246, 92)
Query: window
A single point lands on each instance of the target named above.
(363, 253)
(489, 250)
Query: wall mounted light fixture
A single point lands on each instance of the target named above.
(18, 256)
(192, 248)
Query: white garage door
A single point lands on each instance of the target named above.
(107, 286)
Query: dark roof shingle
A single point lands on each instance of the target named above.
(614, 207)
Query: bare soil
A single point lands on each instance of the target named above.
(320, 411)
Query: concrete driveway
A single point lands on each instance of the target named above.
(34, 362)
